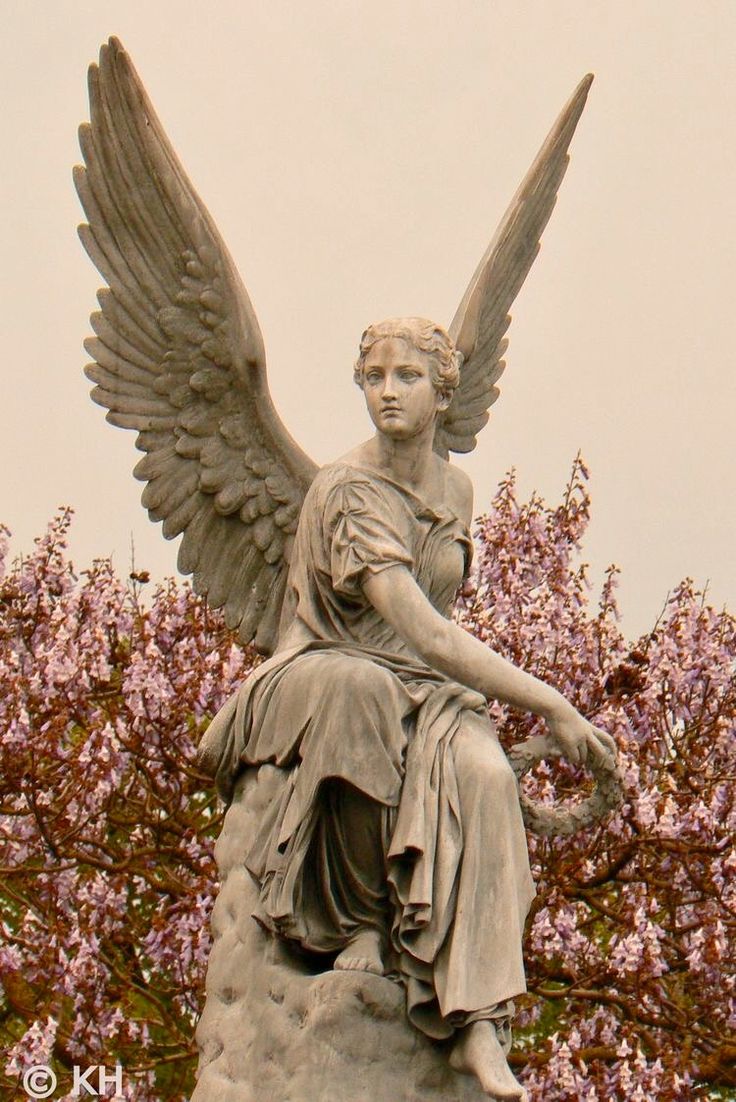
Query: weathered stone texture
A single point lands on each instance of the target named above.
(273, 1031)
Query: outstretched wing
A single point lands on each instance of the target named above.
(482, 318)
(179, 357)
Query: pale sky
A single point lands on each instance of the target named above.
(357, 158)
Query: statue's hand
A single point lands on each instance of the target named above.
(577, 739)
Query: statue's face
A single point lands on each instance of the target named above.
(399, 392)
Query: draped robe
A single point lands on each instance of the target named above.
(382, 754)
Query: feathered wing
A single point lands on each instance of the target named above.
(179, 357)
(482, 318)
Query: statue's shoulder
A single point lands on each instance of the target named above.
(329, 480)
(459, 492)
(346, 486)
(343, 472)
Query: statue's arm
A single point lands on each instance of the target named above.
(448, 648)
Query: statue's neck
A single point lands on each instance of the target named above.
(410, 462)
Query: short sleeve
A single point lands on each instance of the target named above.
(367, 531)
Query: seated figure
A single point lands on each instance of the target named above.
(397, 844)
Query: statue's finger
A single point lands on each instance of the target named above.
(600, 749)
(580, 752)
(608, 741)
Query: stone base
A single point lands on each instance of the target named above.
(274, 1031)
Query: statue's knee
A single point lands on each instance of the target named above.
(502, 780)
(481, 764)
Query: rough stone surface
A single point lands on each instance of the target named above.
(274, 1031)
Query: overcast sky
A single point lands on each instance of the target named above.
(357, 158)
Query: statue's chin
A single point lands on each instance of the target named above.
(395, 428)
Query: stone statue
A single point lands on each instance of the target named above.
(374, 827)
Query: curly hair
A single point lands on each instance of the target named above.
(426, 337)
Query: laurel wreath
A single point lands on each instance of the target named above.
(569, 818)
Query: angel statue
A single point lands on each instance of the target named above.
(395, 845)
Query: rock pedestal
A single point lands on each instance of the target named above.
(273, 1030)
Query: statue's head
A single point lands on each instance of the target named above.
(426, 337)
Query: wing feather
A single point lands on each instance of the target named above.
(109, 382)
(176, 520)
(125, 136)
(164, 233)
(179, 357)
(111, 176)
(258, 600)
(131, 346)
(170, 489)
(131, 403)
(114, 229)
(483, 317)
(265, 638)
(101, 249)
(243, 577)
(138, 421)
(115, 315)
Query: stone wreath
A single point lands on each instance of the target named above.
(569, 818)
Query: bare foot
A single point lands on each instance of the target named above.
(364, 953)
(477, 1052)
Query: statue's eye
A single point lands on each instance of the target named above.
(373, 376)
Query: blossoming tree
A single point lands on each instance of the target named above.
(107, 829)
